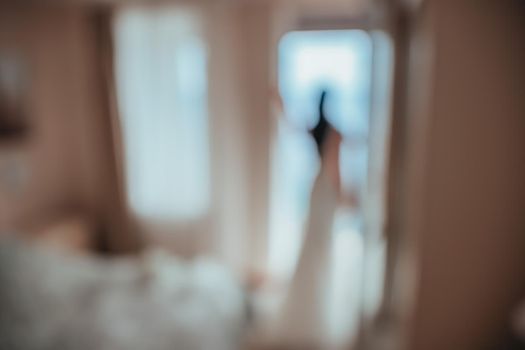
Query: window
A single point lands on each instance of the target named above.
(162, 85)
(309, 61)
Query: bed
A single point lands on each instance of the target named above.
(54, 299)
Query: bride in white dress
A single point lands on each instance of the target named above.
(304, 318)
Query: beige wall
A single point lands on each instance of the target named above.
(67, 153)
(470, 201)
(240, 123)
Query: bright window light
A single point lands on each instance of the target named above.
(162, 89)
(310, 61)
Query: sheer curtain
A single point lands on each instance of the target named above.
(162, 82)
(192, 85)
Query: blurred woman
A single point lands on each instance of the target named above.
(304, 319)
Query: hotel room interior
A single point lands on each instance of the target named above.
(160, 187)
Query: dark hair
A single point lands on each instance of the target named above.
(320, 131)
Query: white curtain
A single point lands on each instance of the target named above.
(162, 84)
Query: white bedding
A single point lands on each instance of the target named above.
(52, 301)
